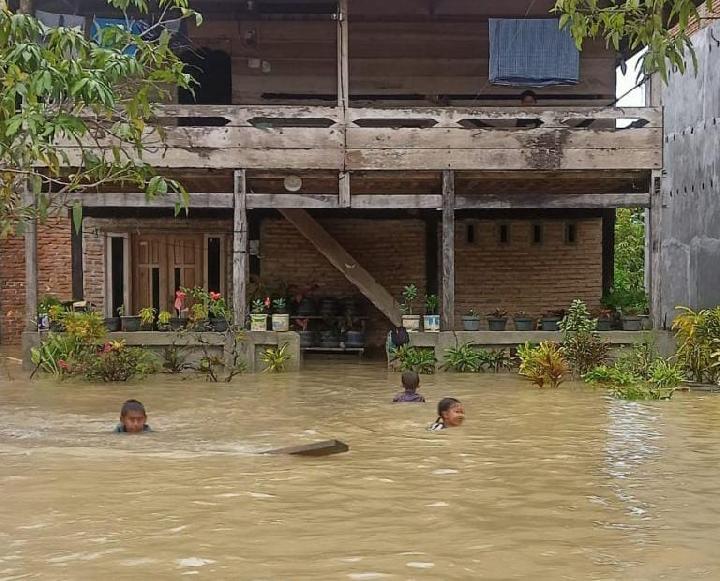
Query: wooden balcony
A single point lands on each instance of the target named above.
(358, 139)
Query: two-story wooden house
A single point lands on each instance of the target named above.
(357, 146)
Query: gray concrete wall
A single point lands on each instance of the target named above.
(688, 267)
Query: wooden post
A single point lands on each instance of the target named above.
(31, 267)
(653, 245)
(344, 189)
(343, 68)
(447, 313)
(240, 248)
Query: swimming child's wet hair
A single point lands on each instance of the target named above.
(445, 404)
(410, 380)
(132, 405)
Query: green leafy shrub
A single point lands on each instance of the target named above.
(497, 359)
(543, 364)
(464, 359)
(275, 358)
(581, 344)
(697, 334)
(415, 359)
(608, 375)
(118, 362)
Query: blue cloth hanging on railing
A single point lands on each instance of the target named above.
(136, 27)
(532, 53)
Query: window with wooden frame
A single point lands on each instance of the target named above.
(117, 274)
(571, 232)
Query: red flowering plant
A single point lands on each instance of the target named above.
(217, 307)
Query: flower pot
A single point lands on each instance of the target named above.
(200, 325)
(306, 307)
(349, 307)
(471, 323)
(431, 323)
(129, 324)
(112, 324)
(146, 326)
(354, 339)
(177, 323)
(328, 307)
(306, 338)
(258, 322)
(524, 324)
(329, 339)
(43, 322)
(411, 323)
(496, 324)
(57, 327)
(646, 322)
(632, 323)
(219, 325)
(550, 323)
(164, 328)
(281, 322)
(604, 324)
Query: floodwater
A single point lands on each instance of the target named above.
(564, 484)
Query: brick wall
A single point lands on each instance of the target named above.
(393, 251)
(522, 276)
(515, 276)
(54, 274)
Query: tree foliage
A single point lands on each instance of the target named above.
(661, 26)
(75, 111)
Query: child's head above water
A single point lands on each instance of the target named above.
(451, 412)
(410, 381)
(133, 416)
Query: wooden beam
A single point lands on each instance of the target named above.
(653, 256)
(343, 64)
(410, 201)
(31, 266)
(344, 189)
(447, 311)
(240, 249)
(139, 200)
(292, 201)
(544, 200)
(344, 262)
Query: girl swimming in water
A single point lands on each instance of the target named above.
(451, 414)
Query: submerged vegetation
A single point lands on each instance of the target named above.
(468, 359)
(544, 364)
(414, 359)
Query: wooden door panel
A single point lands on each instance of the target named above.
(185, 262)
(150, 255)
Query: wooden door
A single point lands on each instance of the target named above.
(185, 265)
(149, 272)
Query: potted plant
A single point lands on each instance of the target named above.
(147, 318)
(471, 321)
(523, 321)
(258, 314)
(604, 319)
(497, 320)
(431, 320)
(354, 335)
(43, 312)
(55, 317)
(199, 317)
(219, 312)
(128, 323)
(410, 321)
(163, 321)
(631, 320)
(306, 337)
(330, 337)
(178, 322)
(550, 320)
(280, 317)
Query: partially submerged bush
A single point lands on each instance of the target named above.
(698, 336)
(415, 359)
(464, 359)
(275, 358)
(581, 344)
(544, 364)
(117, 362)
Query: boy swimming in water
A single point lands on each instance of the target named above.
(451, 414)
(132, 418)
(410, 382)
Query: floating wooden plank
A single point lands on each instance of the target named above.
(324, 448)
(344, 262)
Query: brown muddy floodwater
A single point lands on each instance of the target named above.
(564, 484)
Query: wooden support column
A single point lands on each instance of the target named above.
(76, 259)
(240, 248)
(344, 189)
(344, 262)
(653, 254)
(31, 267)
(447, 312)
(343, 67)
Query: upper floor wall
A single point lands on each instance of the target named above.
(403, 52)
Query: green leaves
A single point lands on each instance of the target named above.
(82, 103)
(661, 26)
